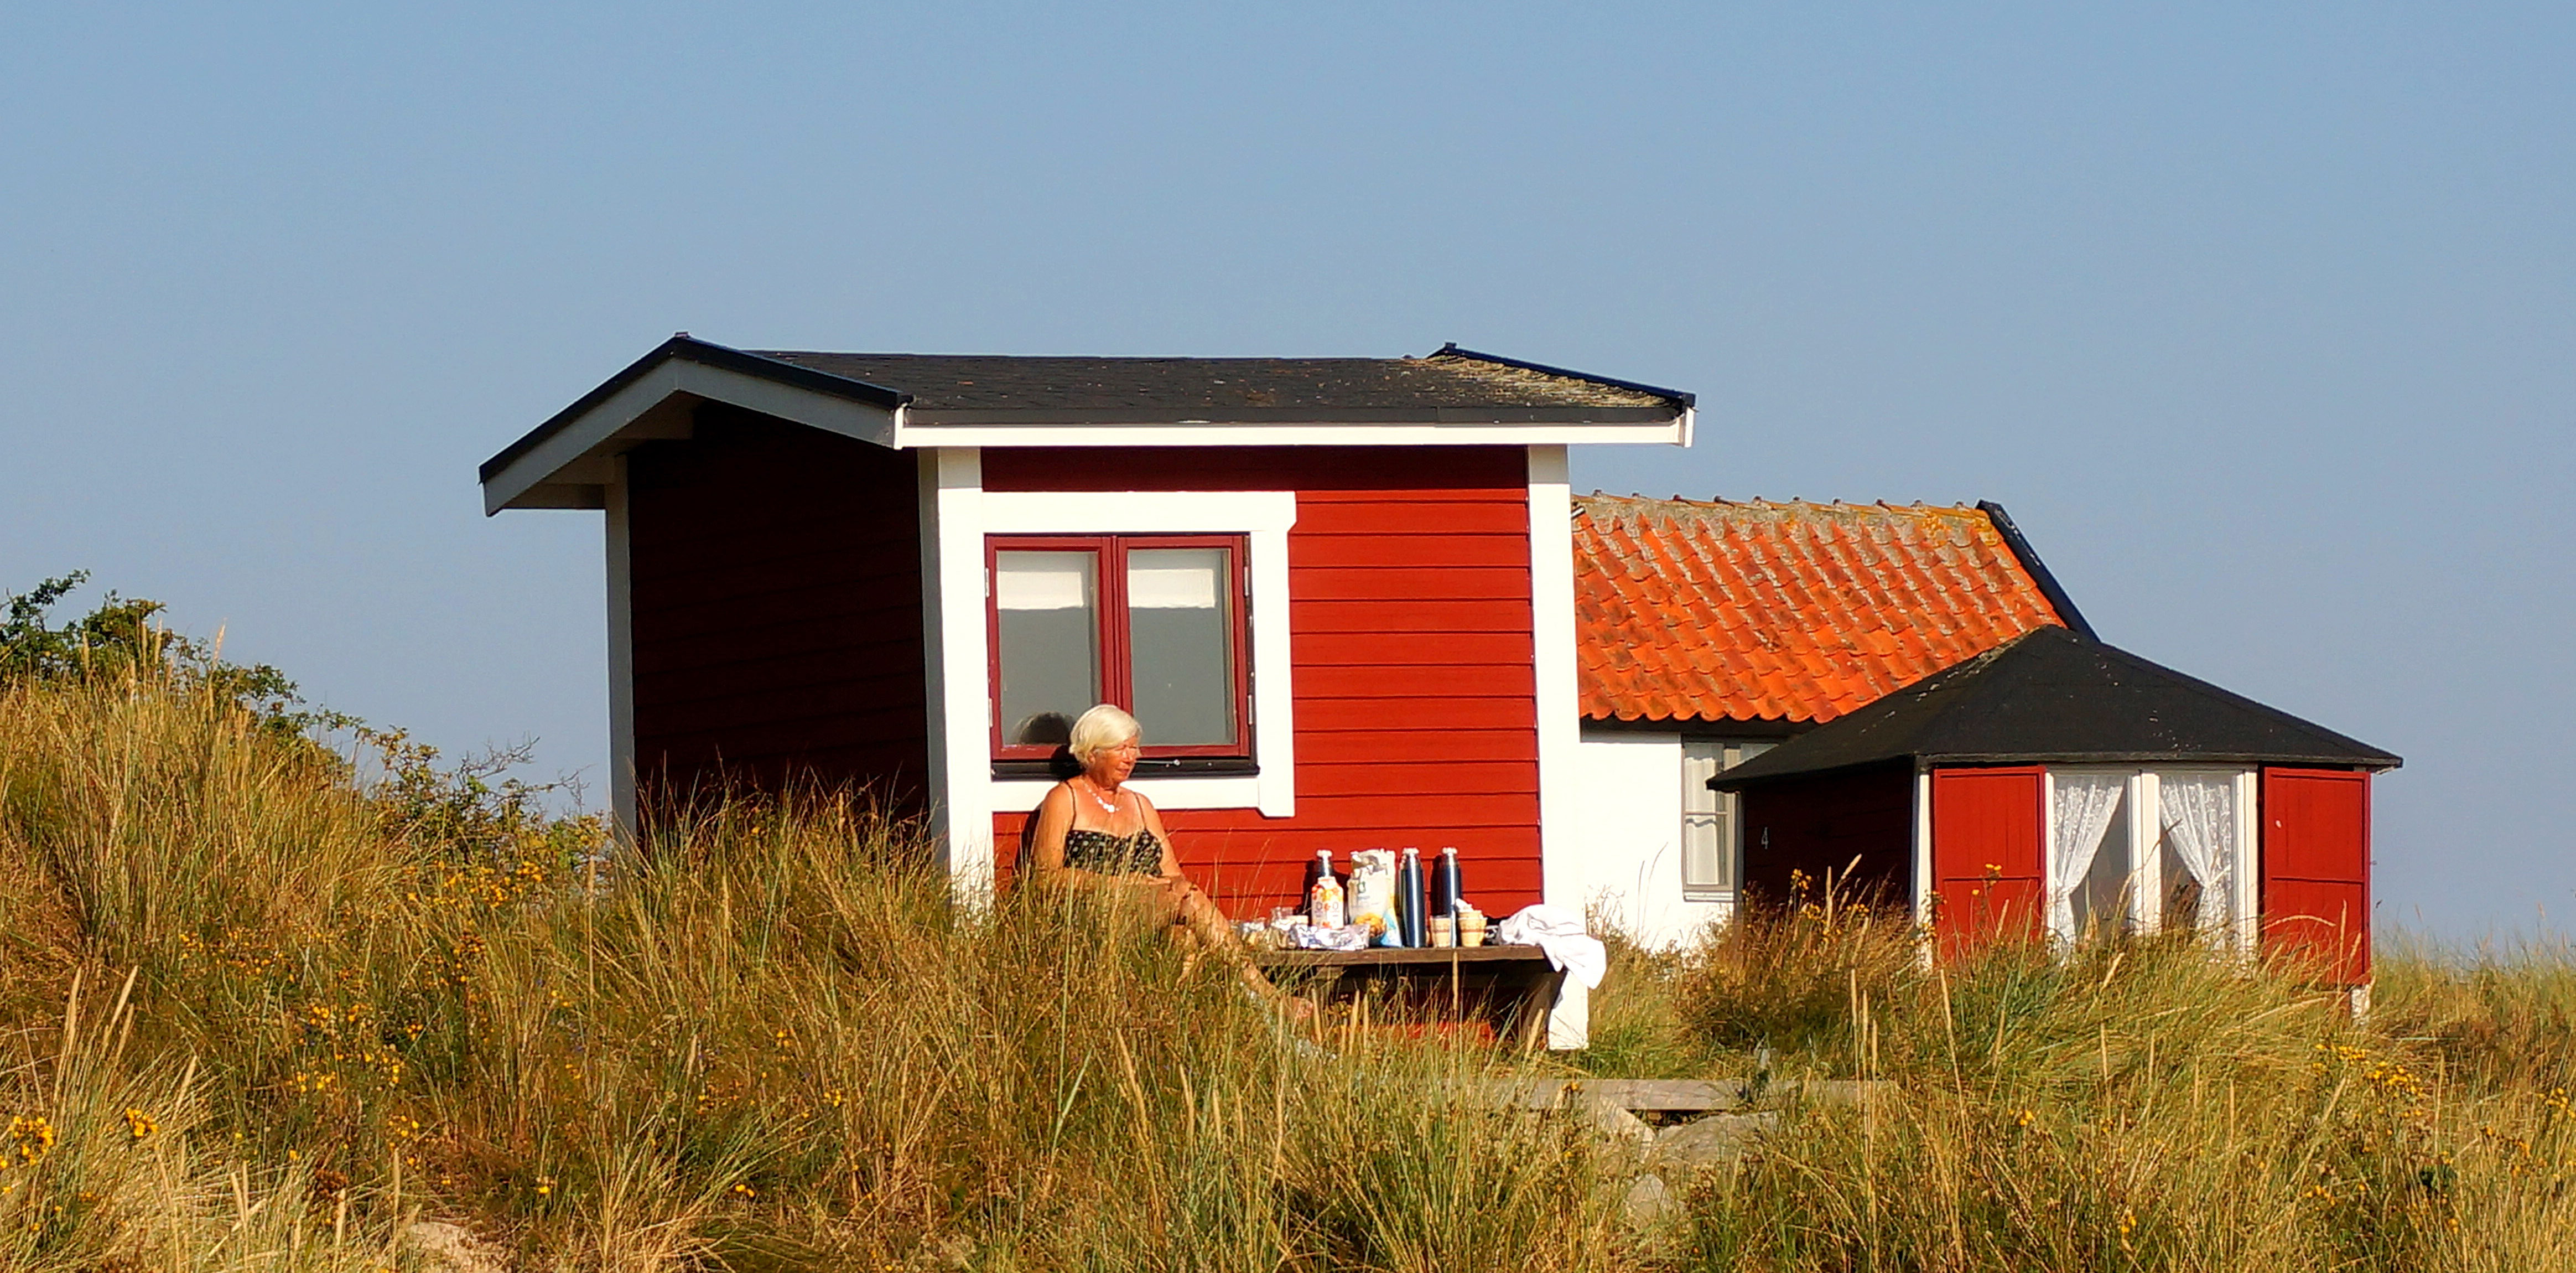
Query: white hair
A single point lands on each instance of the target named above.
(1100, 729)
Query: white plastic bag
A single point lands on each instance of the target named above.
(1373, 892)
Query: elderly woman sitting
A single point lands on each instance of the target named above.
(1093, 829)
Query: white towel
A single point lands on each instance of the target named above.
(1559, 931)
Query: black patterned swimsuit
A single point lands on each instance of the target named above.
(1138, 854)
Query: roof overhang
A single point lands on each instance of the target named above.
(567, 461)
(1732, 781)
(1449, 427)
(2160, 759)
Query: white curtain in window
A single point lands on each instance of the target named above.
(2085, 803)
(2199, 817)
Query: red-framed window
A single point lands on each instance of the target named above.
(1152, 623)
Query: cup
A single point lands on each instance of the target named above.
(1471, 927)
(1444, 931)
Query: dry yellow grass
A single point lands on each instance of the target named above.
(2137, 1104)
(765, 1039)
(261, 1015)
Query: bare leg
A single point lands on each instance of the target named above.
(1202, 923)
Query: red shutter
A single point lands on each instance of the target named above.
(1987, 855)
(2316, 868)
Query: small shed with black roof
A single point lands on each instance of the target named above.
(2059, 785)
(1711, 630)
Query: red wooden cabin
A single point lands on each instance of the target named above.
(1338, 592)
(2057, 785)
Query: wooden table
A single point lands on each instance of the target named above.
(1510, 988)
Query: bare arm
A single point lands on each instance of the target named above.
(1170, 867)
(1192, 907)
(1168, 871)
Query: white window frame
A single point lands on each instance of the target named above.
(1722, 812)
(1263, 519)
(2142, 807)
(2249, 845)
(2138, 811)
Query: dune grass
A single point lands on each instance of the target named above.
(256, 1013)
(765, 1038)
(2132, 1104)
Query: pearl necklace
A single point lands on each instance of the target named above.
(1106, 806)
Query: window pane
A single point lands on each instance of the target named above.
(2090, 857)
(1050, 655)
(2200, 849)
(1180, 629)
(2102, 904)
(1704, 819)
(1712, 822)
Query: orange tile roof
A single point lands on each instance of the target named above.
(1725, 610)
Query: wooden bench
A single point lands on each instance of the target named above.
(1509, 988)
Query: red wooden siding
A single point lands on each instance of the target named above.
(1988, 855)
(1856, 828)
(2316, 868)
(777, 609)
(1410, 633)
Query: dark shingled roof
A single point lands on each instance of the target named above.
(2053, 696)
(1451, 381)
(1449, 386)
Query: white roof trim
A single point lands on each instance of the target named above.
(908, 435)
(537, 479)
(557, 473)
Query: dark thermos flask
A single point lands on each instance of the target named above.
(1408, 900)
(1445, 886)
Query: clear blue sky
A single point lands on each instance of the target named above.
(2261, 319)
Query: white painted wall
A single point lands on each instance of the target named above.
(1626, 860)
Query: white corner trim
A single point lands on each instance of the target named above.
(601, 425)
(1923, 846)
(2145, 812)
(2249, 860)
(1264, 518)
(952, 573)
(1560, 723)
(1674, 432)
(2048, 850)
(621, 654)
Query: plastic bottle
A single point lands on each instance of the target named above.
(1408, 900)
(1324, 900)
(1445, 885)
(1315, 870)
